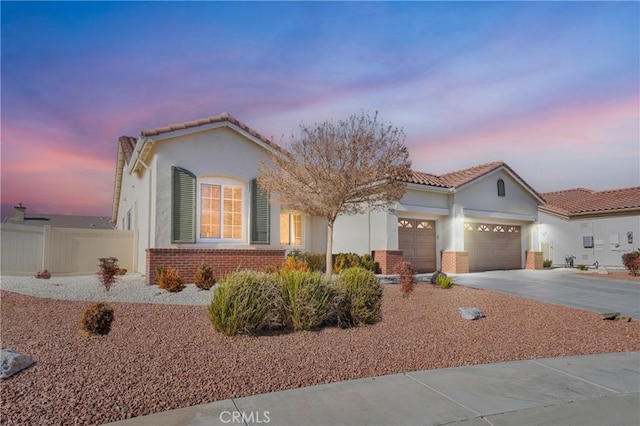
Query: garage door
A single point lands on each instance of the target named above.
(492, 246)
(417, 240)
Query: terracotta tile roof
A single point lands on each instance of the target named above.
(128, 144)
(427, 179)
(582, 200)
(224, 117)
(461, 177)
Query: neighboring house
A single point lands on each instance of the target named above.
(190, 192)
(592, 226)
(57, 220)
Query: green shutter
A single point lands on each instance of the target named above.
(260, 214)
(183, 208)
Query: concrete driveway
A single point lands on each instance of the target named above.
(561, 287)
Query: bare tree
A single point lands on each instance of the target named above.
(350, 167)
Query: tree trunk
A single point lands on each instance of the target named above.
(329, 270)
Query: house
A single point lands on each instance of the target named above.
(190, 192)
(20, 217)
(476, 219)
(595, 227)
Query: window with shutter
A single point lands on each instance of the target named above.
(183, 214)
(260, 214)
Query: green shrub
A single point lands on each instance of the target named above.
(582, 267)
(630, 261)
(344, 261)
(407, 278)
(246, 302)
(96, 320)
(444, 281)
(204, 277)
(362, 297)
(317, 261)
(168, 278)
(547, 263)
(307, 299)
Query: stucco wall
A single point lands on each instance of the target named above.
(483, 195)
(564, 237)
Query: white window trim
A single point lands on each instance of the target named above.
(223, 182)
(302, 227)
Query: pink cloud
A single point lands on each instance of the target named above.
(571, 130)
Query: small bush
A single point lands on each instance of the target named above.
(317, 261)
(344, 261)
(44, 274)
(246, 302)
(168, 278)
(407, 278)
(307, 299)
(363, 297)
(292, 264)
(582, 267)
(96, 320)
(547, 263)
(630, 261)
(108, 271)
(204, 277)
(444, 281)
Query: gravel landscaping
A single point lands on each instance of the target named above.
(161, 356)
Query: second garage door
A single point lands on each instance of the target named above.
(417, 240)
(492, 247)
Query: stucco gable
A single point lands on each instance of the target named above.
(460, 179)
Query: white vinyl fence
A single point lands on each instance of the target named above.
(63, 251)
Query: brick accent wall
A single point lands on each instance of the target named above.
(221, 261)
(534, 260)
(455, 262)
(388, 260)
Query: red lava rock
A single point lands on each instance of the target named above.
(160, 357)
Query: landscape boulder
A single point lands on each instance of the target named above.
(471, 313)
(436, 274)
(13, 362)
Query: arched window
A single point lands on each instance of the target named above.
(500, 188)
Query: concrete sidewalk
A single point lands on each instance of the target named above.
(600, 390)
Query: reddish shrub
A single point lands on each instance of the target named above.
(407, 278)
(108, 271)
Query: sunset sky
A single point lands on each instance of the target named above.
(550, 88)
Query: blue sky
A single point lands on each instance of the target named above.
(553, 89)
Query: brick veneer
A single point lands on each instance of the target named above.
(221, 261)
(455, 262)
(534, 260)
(388, 260)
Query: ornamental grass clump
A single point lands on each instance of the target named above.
(96, 320)
(246, 302)
(362, 295)
(444, 281)
(204, 279)
(308, 300)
